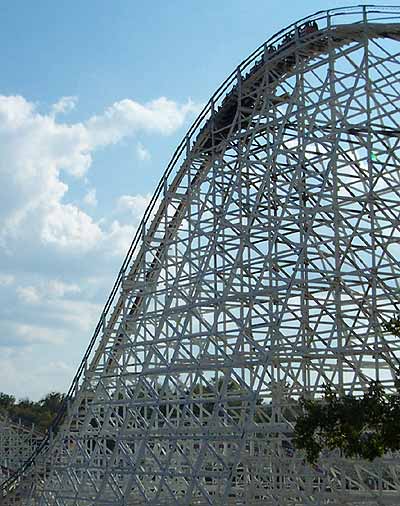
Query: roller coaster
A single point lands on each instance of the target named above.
(17, 444)
(262, 271)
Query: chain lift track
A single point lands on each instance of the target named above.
(262, 270)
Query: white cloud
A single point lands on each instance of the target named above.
(28, 294)
(80, 314)
(67, 227)
(126, 117)
(6, 279)
(39, 376)
(90, 198)
(45, 291)
(142, 152)
(34, 334)
(57, 288)
(64, 105)
(119, 239)
(37, 148)
(45, 235)
(135, 205)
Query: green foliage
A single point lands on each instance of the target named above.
(393, 326)
(6, 401)
(39, 413)
(360, 427)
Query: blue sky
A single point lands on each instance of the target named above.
(94, 98)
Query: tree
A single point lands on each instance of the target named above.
(52, 402)
(360, 427)
(6, 401)
(39, 413)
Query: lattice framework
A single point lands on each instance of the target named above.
(17, 443)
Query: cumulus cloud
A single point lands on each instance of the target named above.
(64, 105)
(128, 212)
(28, 294)
(6, 279)
(57, 288)
(126, 117)
(119, 239)
(51, 313)
(80, 315)
(134, 204)
(90, 198)
(39, 376)
(48, 234)
(37, 334)
(46, 290)
(37, 149)
(68, 227)
(142, 152)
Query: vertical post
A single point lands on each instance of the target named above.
(336, 281)
(187, 146)
(211, 122)
(239, 96)
(374, 325)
